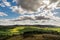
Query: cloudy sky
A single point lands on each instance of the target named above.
(6, 11)
(12, 12)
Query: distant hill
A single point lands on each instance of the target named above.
(29, 26)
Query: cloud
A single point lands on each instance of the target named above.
(14, 8)
(3, 14)
(32, 18)
(43, 16)
(7, 22)
(1, 4)
(14, 1)
(6, 3)
(25, 5)
(44, 10)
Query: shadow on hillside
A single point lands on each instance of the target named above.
(34, 35)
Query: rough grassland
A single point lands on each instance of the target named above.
(29, 33)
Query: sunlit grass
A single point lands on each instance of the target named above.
(22, 29)
(54, 29)
(46, 28)
(16, 29)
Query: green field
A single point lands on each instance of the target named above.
(20, 30)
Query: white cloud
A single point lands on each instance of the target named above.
(6, 3)
(14, 1)
(3, 14)
(47, 4)
(45, 11)
(1, 4)
(14, 8)
(29, 22)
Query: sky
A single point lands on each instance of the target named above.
(5, 9)
(10, 11)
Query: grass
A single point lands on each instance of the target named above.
(22, 29)
(17, 30)
(54, 29)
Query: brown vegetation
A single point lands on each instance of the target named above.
(36, 37)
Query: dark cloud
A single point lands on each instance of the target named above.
(52, 1)
(31, 18)
(58, 4)
(30, 5)
(41, 18)
(27, 18)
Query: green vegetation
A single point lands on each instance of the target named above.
(23, 30)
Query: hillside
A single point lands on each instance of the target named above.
(26, 32)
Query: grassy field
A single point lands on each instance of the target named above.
(23, 30)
